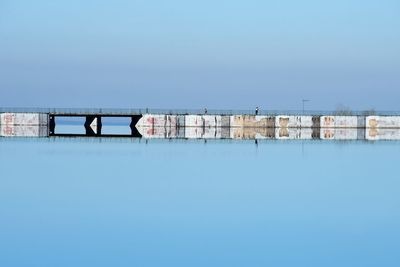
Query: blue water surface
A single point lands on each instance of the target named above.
(190, 203)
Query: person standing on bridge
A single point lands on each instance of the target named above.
(256, 110)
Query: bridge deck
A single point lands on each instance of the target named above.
(138, 111)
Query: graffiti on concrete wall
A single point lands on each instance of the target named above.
(204, 121)
(294, 121)
(294, 133)
(382, 134)
(339, 122)
(383, 121)
(244, 133)
(10, 130)
(239, 127)
(252, 121)
(23, 119)
(339, 134)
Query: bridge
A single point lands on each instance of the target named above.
(205, 124)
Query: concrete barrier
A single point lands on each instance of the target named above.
(339, 122)
(383, 121)
(10, 130)
(245, 133)
(161, 132)
(24, 119)
(219, 126)
(294, 133)
(225, 121)
(157, 120)
(294, 121)
(203, 133)
(151, 132)
(341, 134)
(382, 134)
(252, 121)
(193, 121)
(203, 121)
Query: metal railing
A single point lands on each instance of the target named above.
(137, 111)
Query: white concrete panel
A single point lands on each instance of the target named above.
(245, 133)
(346, 122)
(148, 132)
(203, 121)
(293, 121)
(194, 121)
(172, 121)
(327, 121)
(158, 120)
(212, 120)
(202, 132)
(327, 133)
(382, 134)
(10, 130)
(252, 121)
(346, 134)
(293, 133)
(23, 118)
(339, 133)
(161, 132)
(152, 132)
(383, 121)
(225, 121)
(339, 122)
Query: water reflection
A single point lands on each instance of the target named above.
(235, 133)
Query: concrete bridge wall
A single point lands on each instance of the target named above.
(229, 126)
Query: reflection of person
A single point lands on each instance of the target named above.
(256, 110)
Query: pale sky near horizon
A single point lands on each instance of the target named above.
(194, 54)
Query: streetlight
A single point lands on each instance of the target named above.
(304, 100)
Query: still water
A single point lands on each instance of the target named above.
(67, 202)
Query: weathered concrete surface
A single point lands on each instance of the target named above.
(382, 134)
(244, 133)
(294, 133)
(161, 132)
(226, 126)
(156, 120)
(383, 121)
(9, 130)
(203, 132)
(341, 134)
(204, 121)
(294, 121)
(261, 121)
(339, 122)
(252, 121)
(24, 119)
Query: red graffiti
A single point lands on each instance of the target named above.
(8, 118)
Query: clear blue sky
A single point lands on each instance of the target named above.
(193, 54)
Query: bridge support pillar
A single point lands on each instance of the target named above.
(93, 125)
(134, 121)
(52, 124)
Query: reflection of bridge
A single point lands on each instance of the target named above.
(206, 126)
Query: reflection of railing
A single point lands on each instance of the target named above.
(136, 111)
